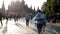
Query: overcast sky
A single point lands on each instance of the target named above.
(35, 3)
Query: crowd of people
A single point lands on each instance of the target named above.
(40, 17)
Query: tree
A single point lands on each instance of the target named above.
(52, 6)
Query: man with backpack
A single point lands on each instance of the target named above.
(41, 20)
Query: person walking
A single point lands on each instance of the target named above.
(27, 17)
(1, 19)
(41, 20)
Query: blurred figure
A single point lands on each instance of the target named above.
(41, 20)
(16, 19)
(1, 20)
(27, 17)
(7, 19)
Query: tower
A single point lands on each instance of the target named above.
(31, 6)
(34, 8)
(23, 2)
(3, 7)
(37, 8)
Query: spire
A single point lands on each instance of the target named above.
(3, 6)
(26, 5)
(23, 2)
(34, 8)
(31, 6)
(38, 8)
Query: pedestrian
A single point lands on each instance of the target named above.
(7, 16)
(41, 20)
(1, 19)
(27, 17)
(16, 19)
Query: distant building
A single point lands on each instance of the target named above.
(2, 10)
(20, 8)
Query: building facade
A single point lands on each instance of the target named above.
(20, 8)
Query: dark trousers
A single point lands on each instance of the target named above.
(1, 22)
(27, 22)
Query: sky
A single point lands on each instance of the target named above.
(33, 3)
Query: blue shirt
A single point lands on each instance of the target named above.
(40, 18)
